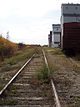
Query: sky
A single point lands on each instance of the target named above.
(30, 21)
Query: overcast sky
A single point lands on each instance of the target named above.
(30, 21)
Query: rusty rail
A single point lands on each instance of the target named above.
(52, 83)
(14, 77)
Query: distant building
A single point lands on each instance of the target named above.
(56, 30)
(70, 27)
(50, 39)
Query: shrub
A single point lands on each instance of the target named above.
(21, 45)
(7, 48)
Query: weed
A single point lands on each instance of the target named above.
(57, 52)
(44, 94)
(13, 93)
(52, 69)
(43, 74)
(79, 102)
(11, 102)
(7, 102)
(47, 86)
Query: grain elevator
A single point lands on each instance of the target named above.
(70, 27)
(56, 30)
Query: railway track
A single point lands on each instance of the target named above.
(25, 90)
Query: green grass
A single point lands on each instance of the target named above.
(57, 51)
(44, 94)
(24, 54)
(14, 94)
(11, 102)
(79, 102)
(15, 62)
(52, 69)
(43, 74)
(54, 51)
(7, 102)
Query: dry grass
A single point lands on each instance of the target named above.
(66, 75)
(7, 48)
(59, 61)
(22, 55)
(11, 65)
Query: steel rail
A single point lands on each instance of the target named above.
(14, 77)
(52, 83)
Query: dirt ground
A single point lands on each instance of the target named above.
(66, 77)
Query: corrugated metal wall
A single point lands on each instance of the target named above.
(71, 36)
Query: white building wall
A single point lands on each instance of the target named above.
(70, 9)
(56, 29)
(57, 37)
(70, 13)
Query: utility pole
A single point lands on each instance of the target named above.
(7, 36)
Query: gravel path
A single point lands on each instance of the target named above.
(66, 79)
